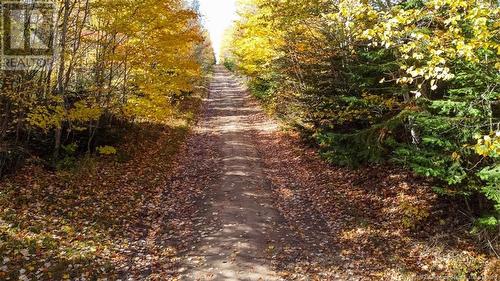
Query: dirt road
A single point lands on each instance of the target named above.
(240, 225)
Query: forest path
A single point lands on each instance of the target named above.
(239, 222)
(269, 208)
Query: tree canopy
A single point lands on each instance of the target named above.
(413, 82)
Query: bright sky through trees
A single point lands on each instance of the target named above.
(218, 15)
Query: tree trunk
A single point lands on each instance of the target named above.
(60, 75)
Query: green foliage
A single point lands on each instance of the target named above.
(70, 149)
(68, 158)
(230, 65)
(487, 222)
(491, 177)
(262, 88)
(106, 150)
(370, 145)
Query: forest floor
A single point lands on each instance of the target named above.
(235, 198)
